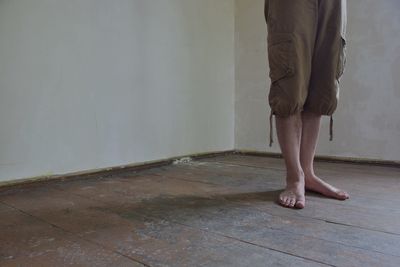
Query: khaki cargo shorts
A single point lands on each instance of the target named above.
(306, 55)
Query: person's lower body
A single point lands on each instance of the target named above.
(306, 53)
(298, 136)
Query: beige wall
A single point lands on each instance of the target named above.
(88, 84)
(367, 121)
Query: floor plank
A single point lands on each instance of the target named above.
(28, 241)
(218, 211)
(156, 242)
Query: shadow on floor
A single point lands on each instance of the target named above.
(190, 206)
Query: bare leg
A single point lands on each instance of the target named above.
(310, 130)
(289, 136)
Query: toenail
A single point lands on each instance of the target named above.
(299, 204)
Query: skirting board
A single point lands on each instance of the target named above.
(388, 163)
(37, 181)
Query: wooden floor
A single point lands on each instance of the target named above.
(217, 211)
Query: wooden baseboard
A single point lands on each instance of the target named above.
(39, 180)
(387, 163)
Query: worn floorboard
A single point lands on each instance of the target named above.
(218, 211)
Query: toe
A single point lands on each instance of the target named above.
(342, 195)
(287, 202)
(300, 203)
(282, 200)
(292, 202)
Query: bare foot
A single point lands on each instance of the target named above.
(293, 196)
(314, 183)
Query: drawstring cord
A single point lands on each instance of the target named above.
(270, 129)
(331, 129)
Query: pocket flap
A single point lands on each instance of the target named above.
(280, 55)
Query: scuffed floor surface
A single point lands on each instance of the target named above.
(218, 211)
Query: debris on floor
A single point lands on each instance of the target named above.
(182, 160)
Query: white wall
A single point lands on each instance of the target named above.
(367, 120)
(87, 84)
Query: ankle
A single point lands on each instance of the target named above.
(309, 173)
(295, 178)
(295, 184)
(297, 174)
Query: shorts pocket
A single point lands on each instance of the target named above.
(280, 56)
(342, 58)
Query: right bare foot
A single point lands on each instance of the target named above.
(315, 184)
(293, 196)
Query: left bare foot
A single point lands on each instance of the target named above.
(314, 183)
